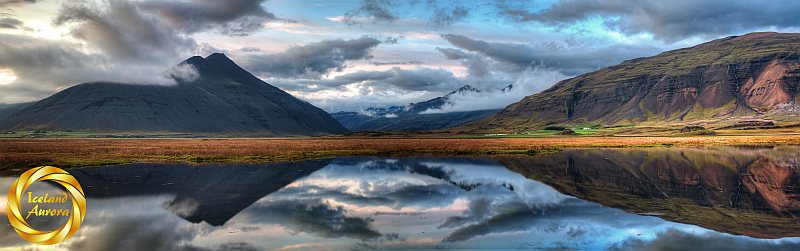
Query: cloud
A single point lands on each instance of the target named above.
(442, 13)
(44, 66)
(312, 60)
(412, 62)
(666, 20)
(233, 17)
(677, 240)
(517, 57)
(8, 3)
(373, 10)
(531, 81)
(448, 15)
(182, 72)
(12, 23)
(119, 30)
(116, 43)
(477, 66)
(416, 79)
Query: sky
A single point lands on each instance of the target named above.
(350, 55)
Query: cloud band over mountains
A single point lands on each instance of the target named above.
(354, 54)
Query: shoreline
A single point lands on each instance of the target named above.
(19, 154)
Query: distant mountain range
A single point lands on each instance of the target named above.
(754, 76)
(413, 117)
(218, 97)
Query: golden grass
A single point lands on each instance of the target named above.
(64, 152)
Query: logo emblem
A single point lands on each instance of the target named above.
(18, 193)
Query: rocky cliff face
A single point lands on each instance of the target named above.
(221, 97)
(754, 75)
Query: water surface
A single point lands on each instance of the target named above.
(587, 199)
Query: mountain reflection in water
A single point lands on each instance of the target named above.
(366, 203)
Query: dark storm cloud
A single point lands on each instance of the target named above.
(232, 17)
(42, 66)
(477, 65)
(677, 240)
(667, 20)
(449, 15)
(517, 57)
(312, 60)
(312, 217)
(7, 3)
(12, 23)
(46, 63)
(376, 10)
(417, 79)
(442, 13)
(121, 31)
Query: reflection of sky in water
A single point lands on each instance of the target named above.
(405, 203)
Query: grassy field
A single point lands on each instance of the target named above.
(19, 154)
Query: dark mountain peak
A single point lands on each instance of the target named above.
(464, 89)
(194, 60)
(218, 68)
(214, 61)
(508, 88)
(219, 58)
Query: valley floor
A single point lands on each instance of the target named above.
(18, 154)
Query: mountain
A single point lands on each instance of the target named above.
(411, 117)
(754, 76)
(216, 96)
(8, 109)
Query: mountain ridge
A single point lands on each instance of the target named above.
(221, 98)
(411, 116)
(753, 76)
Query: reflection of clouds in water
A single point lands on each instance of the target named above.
(402, 203)
(363, 178)
(398, 197)
(130, 223)
(570, 220)
(496, 177)
(308, 216)
(677, 240)
(134, 223)
(502, 205)
(8, 237)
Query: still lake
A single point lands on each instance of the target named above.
(703, 198)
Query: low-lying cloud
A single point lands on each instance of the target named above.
(531, 81)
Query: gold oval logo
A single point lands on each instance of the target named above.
(56, 175)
